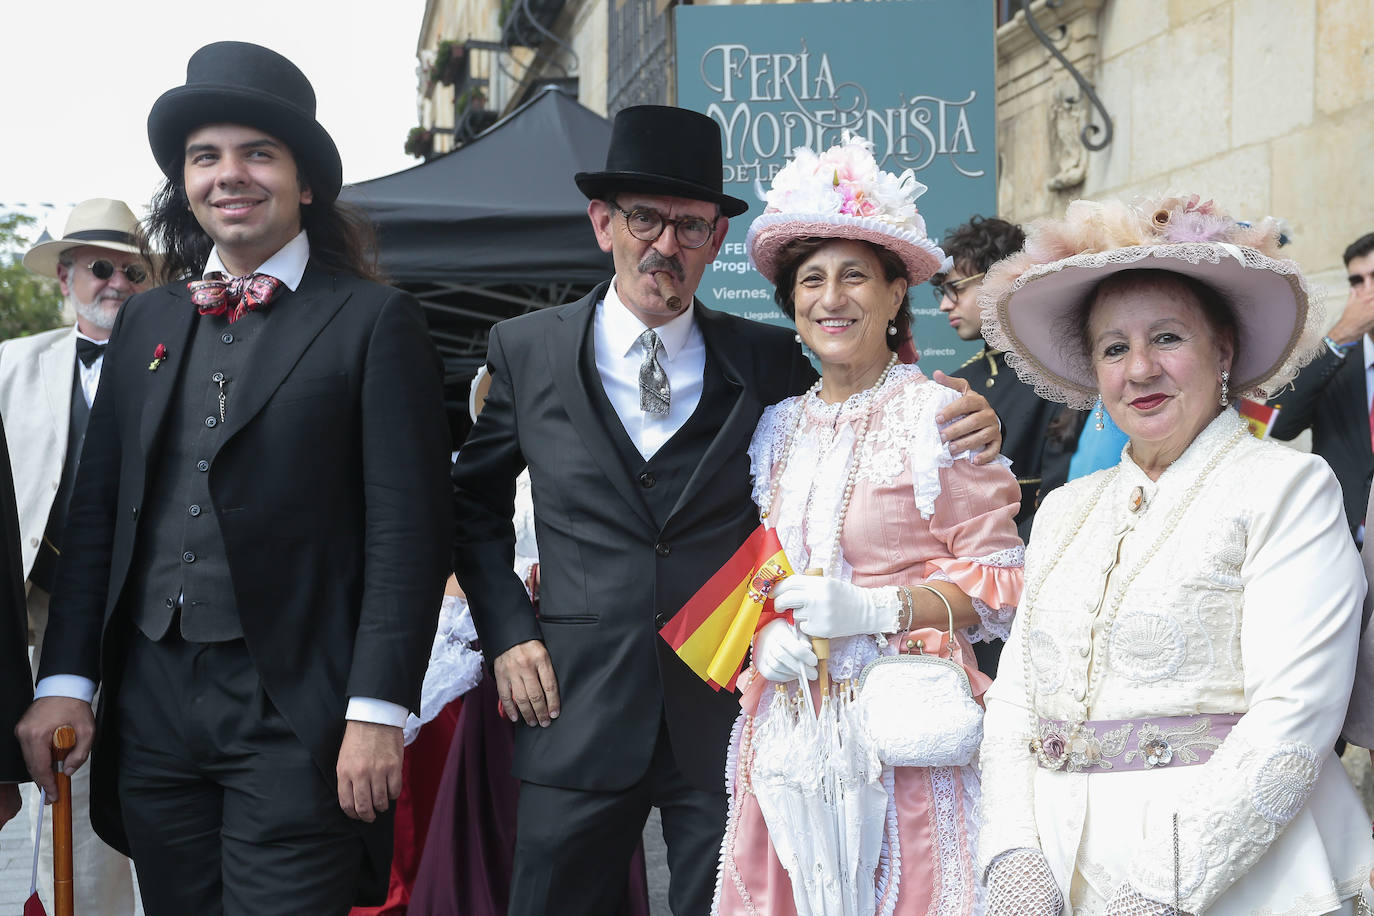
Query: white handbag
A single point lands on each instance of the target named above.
(918, 709)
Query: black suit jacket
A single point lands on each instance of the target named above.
(609, 576)
(331, 492)
(16, 690)
(1329, 397)
(1038, 436)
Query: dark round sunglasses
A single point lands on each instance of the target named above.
(104, 270)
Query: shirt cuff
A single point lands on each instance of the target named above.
(380, 712)
(65, 685)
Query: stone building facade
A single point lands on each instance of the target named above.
(1265, 105)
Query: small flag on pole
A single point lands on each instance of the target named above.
(1261, 417)
(713, 630)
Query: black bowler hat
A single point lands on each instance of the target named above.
(657, 149)
(234, 82)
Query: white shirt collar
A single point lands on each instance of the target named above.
(623, 327)
(76, 331)
(287, 265)
(1368, 352)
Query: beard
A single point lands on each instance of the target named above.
(100, 313)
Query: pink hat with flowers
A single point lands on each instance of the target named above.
(842, 194)
(1027, 298)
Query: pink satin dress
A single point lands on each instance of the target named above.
(916, 514)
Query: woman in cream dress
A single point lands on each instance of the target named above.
(1160, 738)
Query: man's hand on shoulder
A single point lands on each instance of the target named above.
(526, 684)
(35, 731)
(975, 428)
(369, 769)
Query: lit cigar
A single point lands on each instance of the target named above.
(667, 288)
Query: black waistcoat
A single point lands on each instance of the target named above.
(181, 559)
(663, 476)
(45, 563)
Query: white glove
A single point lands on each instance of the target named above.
(1020, 884)
(829, 607)
(783, 654)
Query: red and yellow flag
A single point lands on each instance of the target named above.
(712, 631)
(1260, 417)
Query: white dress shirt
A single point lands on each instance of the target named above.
(619, 356)
(89, 376)
(287, 265)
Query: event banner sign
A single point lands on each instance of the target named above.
(913, 76)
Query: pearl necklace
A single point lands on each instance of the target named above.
(791, 442)
(1109, 619)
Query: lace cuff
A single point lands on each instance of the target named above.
(454, 667)
(1020, 883)
(992, 582)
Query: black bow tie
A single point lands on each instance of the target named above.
(88, 351)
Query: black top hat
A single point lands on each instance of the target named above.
(234, 82)
(657, 149)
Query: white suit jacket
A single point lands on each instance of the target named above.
(36, 375)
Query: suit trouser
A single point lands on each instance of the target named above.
(573, 847)
(224, 807)
(102, 878)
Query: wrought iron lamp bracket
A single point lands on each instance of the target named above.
(1090, 130)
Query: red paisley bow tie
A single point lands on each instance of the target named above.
(234, 296)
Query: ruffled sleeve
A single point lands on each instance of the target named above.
(770, 438)
(972, 510)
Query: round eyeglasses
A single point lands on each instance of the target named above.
(647, 224)
(104, 270)
(952, 288)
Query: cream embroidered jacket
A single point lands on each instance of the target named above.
(1233, 587)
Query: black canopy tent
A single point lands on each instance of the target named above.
(496, 228)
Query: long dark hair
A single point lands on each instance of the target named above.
(342, 238)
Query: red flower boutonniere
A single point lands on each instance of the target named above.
(159, 355)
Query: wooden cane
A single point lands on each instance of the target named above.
(63, 740)
(821, 646)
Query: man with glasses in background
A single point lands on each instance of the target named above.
(1038, 436)
(48, 382)
(1334, 394)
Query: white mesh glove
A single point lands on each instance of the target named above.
(783, 654)
(1020, 884)
(1127, 901)
(829, 607)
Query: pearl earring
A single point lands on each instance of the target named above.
(797, 337)
(1225, 387)
(1097, 416)
(892, 328)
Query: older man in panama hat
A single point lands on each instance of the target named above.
(256, 546)
(48, 382)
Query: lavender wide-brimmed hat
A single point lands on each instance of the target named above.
(842, 194)
(1027, 297)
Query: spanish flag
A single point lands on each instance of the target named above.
(1261, 417)
(712, 631)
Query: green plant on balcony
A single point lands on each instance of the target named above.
(449, 63)
(419, 142)
(471, 97)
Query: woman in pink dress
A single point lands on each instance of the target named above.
(858, 483)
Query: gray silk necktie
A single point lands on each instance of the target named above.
(653, 381)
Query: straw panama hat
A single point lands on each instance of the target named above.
(100, 222)
(1027, 297)
(842, 194)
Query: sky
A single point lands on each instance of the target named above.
(81, 75)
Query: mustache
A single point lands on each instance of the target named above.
(655, 260)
